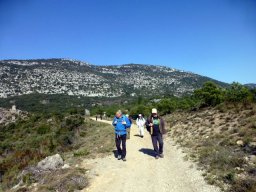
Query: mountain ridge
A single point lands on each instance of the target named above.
(250, 85)
(74, 77)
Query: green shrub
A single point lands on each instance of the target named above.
(211, 94)
(229, 177)
(238, 93)
(43, 129)
(81, 152)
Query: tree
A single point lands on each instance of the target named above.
(211, 94)
(140, 100)
(238, 93)
(166, 106)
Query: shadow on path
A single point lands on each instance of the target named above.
(137, 135)
(147, 151)
(115, 153)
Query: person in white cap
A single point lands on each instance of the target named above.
(156, 127)
(140, 121)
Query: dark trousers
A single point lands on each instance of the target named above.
(121, 139)
(158, 144)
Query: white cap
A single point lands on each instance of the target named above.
(154, 110)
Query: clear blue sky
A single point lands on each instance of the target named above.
(215, 38)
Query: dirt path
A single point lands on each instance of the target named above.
(142, 172)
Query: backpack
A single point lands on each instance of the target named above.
(130, 121)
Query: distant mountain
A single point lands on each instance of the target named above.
(250, 85)
(72, 77)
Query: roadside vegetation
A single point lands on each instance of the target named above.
(223, 142)
(209, 95)
(26, 142)
(220, 135)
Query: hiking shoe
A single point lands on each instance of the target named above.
(157, 157)
(161, 155)
(124, 159)
(119, 157)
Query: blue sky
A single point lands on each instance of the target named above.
(215, 38)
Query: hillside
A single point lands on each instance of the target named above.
(223, 142)
(29, 140)
(70, 77)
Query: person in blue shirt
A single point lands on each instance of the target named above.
(121, 123)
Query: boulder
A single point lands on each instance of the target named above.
(51, 163)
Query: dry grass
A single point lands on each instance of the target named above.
(90, 140)
(211, 140)
(61, 180)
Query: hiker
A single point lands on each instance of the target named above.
(121, 123)
(96, 117)
(100, 117)
(140, 121)
(156, 127)
(128, 129)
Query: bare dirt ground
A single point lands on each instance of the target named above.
(142, 172)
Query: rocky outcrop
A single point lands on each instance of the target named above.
(51, 173)
(51, 163)
(11, 115)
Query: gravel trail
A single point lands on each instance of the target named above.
(142, 172)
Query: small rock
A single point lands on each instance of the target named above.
(51, 163)
(239, 169)
(241, 176)
(65, 166)
(240, 143)
(246, 159)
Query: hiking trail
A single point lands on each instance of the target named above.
(142, 172)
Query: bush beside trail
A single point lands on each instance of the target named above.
(27, 141)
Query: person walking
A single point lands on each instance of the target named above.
(140, 121)
(156, 127)
(121, 123)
